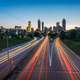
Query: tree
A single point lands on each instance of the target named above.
(72, 34)
(62, 35)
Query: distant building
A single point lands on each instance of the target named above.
(17, 27)
(32, 29)
(1, 27)
(39, 24)
(45, 29)
(59, 28)
(16, 30)
(77, 28)
(50, 29)
(29, 26)
(42, 26)
(64, 24)
(54, 29)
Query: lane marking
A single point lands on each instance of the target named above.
(50, 56)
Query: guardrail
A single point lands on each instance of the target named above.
(4, 56)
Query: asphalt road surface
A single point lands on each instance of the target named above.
(51, 61)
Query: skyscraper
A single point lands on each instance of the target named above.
(42, 26)
(29, 26)
(39, 24)
(50, 29)
(59, 28)
(64, 24)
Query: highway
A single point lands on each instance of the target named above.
(9, 58)
(51, 61)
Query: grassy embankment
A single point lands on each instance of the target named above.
(73, 44)
(13, 42)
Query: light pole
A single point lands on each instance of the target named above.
(7, 41)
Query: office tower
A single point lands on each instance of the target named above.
(50, 29)
(29, 26)
(64, 24)
(42, 26)
(54, 29)
(57, 24)
(39, 25)
(59, 28)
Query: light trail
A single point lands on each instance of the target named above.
(9, 60)
(68, 67)
(40, 71)
(74, 68)
(46, 61)
(42, 61)
(28, 66)
(32, 69)
(67, 61)
(13, 54)
(16, 51)
(62, 63)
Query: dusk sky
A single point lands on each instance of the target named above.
(18, 12)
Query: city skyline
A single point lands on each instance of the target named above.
(19, 12)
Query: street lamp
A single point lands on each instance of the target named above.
(7, 44)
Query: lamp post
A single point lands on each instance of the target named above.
(7, 41)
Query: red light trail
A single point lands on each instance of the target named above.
(31, 65)
(42, 56)
(64, 57)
